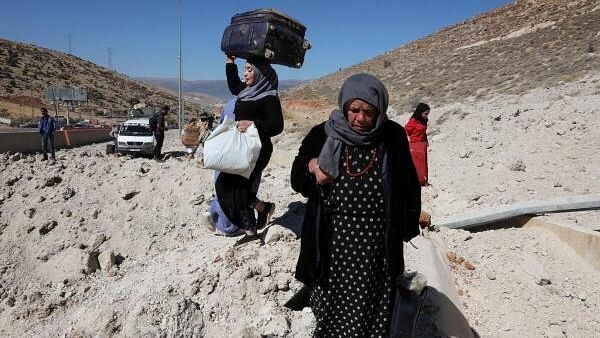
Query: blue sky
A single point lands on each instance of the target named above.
(144, 34)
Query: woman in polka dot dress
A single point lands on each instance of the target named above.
(363, 201)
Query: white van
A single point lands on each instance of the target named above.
(135, 136)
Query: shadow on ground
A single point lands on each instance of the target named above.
(292, 218)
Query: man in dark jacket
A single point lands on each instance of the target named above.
(47, 127)
(159, 131)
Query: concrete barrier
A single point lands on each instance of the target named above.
(76, 137)
(428, 256)
(586, 243)
(30, 141)
(500, 213)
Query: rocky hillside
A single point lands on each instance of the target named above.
(509, 50)
(25, 70)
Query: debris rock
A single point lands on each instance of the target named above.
(145, 167)
(469, 266)
(91, 263)
(276, 233)
(52, 181)
(68, 193)
(130, 195)
(278, 326)
(106, 259)
(197, 200)
(12, 181)
(29, 212)
(98, 240)
(47, 227)
(517, 165)
(283, 283)
(185, 320)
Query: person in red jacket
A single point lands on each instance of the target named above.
(416, 130)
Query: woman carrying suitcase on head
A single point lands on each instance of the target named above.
(257, 103)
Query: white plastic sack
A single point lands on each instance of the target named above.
(228, 150)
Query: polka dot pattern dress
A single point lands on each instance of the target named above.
(357, 299)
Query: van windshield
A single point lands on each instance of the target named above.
(135, 130)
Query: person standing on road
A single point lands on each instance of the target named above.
(47, 126)
(159, 131)
(114, 133)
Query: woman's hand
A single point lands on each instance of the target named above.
(243, 125)
(229, 58)
(321, 176)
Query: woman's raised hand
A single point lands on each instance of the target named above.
(243, 125)
(322, 177)
(229, 58)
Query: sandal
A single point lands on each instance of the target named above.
(246, 239)
(264, 217)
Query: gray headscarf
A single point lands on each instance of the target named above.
(339, 132)
(265, 81)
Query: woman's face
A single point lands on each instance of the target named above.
(361, 115)
(249, 74)
(425, 115)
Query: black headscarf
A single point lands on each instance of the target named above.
(339, 132)
(419, 110)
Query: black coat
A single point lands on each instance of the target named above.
(402, 204)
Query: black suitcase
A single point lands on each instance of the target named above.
(266, 33)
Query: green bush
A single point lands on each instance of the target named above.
(13, 59)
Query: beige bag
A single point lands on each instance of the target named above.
(191, 134)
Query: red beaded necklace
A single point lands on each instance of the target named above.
(363, 171)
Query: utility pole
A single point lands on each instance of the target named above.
(32, 112)
(181, 112)
(70, 44)
(109, 50)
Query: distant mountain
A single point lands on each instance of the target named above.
(215, 88)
